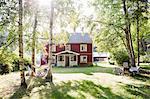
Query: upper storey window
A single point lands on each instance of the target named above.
(83, 47)
(67, 47)
(53, 48)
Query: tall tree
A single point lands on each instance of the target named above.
(49, 76)
(33, 43)
(127, 31)
(119, 19)
(20, 32)
(140, 15)
(137, 30)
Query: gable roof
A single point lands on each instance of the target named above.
(67, 51)
(79, 38)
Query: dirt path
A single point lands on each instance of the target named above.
(8, 83)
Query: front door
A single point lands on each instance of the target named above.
(67, 61)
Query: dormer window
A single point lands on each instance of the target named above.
(68, 47)
(83, 47)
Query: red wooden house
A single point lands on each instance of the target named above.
(78, 51)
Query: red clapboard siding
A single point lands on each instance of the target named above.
(60, 48)
(75, 47)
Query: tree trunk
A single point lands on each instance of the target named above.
(21, 63)
(49, 76)
(137, 29)
(128, 35)
(132, 49)
(33, 45)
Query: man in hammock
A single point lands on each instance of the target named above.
(41, 66)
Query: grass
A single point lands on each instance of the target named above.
(85, 83)
(85, 70)
(83, 89)
(145, 66)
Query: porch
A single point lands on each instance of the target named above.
(66, 58)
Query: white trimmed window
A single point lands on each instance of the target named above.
(61, 58)
(68, 47)
(83, 59)
(53, 48)
(73, 58)
(83, 47)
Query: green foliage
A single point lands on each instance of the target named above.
(9, 61)
(61, 38)
(6, 61)
(15, 64)
(4, 68)
(145, 59)
(120, 56)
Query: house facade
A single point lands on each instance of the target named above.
(76, 52)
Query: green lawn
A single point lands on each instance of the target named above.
(85, 70)
(83, 83)
(145, 66)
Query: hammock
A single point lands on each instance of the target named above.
(39, 71)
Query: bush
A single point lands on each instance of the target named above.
(16, 64)
(111, 62)
(4, 69)
(75, 66)
(9, 61)
(120, 56)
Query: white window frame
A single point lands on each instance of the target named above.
(82, 60)
(60, 59)
(73, 58)
(84, 47)
(68, 47)
(53, 48)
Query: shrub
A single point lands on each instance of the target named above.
(75, 66)
(9, 61)
(120, 56)
(16, 64)
(4, 69)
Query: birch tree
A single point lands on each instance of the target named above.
(20, 32)
(49, 76)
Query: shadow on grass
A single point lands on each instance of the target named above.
(20, 92)
(67, 90)
(77, 89)
(138, 90)
(142, 77)
(24, 92)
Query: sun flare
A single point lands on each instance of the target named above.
(44, 2)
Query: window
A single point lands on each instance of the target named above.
(73, 58)
(83, 47)
(61, 58)
(83, 59)
(53, 48)
(67, 47)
